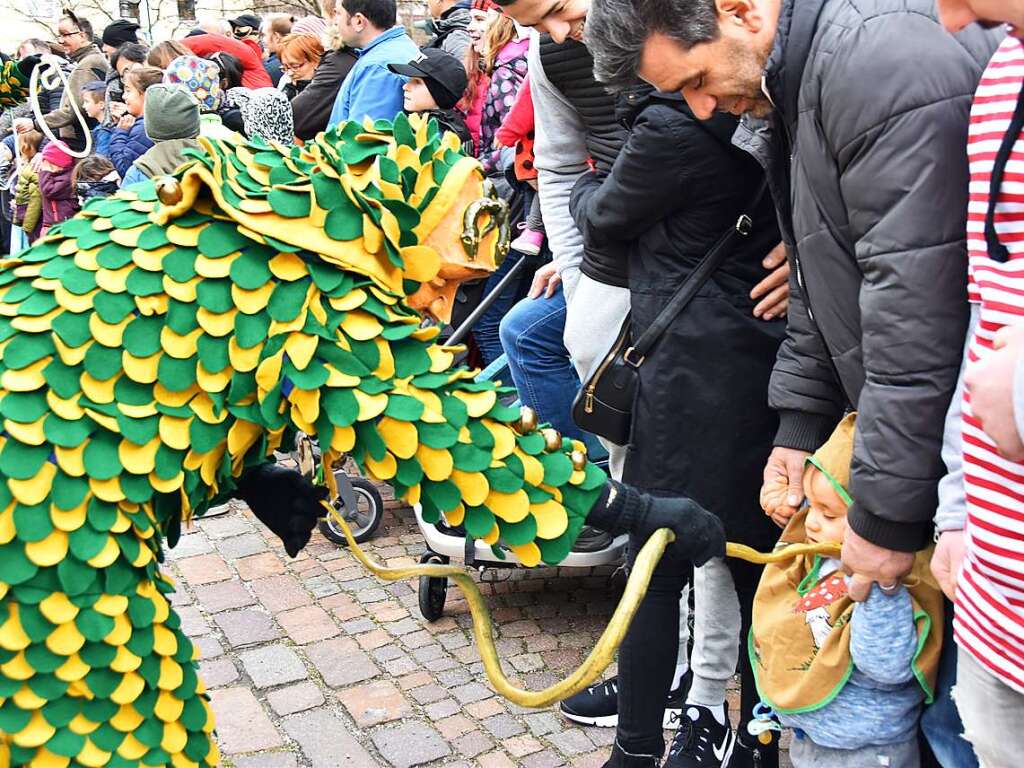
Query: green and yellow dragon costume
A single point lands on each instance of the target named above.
(169, 338)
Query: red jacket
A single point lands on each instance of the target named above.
(253, 73)
(517, 131)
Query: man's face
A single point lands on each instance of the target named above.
(957, 14)
(108, 49)
(70, 35)
(562, 19)
(721, 75)
(350, 27)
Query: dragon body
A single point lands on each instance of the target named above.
(168, 339)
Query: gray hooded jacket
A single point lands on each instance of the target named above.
(866, 160)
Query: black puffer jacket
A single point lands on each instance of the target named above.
(311, 108)
(702, 426)
(872, 102)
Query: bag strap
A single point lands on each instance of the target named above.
(636, 353)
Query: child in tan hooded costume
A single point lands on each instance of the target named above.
(849, 678)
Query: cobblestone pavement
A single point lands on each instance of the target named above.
(313, 662)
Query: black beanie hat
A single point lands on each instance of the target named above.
(119, 32)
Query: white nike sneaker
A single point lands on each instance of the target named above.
(701, 742)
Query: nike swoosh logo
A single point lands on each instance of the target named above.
(722, 751)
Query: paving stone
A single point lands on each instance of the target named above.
(209, 646)
(373, 595)
(376, 639)
(378, 702)
(327, 740)
(411, 743)
(485, 708)
(571, 742)
(470, 692)
(546, 759)
(223, 526)
(495, 760)
(218, 672)
(520, 746)
(295, 698)
(273, 665)
(192, 620)
(259, 566)
(415, 680)
(322, 586)
(223, 596)
(340, 662)
(543, 723)
(473, 743)
(308, 624)
(204, 569)
(280, 593)
(503, 726)
(242, 723)
(241, 546)
(267, 760)
(246, 627)
(442, 709)
(358, 626)
(190, 545)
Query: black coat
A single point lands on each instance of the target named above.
(312, 107)
(702, 426)
(871, 185)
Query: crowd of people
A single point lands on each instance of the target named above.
(850, 371)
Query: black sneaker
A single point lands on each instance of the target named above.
(700, 741)
(599, 704)
(591, 539)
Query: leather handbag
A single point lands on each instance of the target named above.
(604, 404)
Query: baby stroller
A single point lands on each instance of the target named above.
(444, 543)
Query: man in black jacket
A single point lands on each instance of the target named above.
(870, 182)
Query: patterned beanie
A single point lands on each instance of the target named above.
(200, 77)
(265, 113)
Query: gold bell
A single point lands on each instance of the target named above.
(579, 460)
(527, 420)
(552, 439)
(168, 190)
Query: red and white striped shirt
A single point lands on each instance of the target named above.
(989, 618)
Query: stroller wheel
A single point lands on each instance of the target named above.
(433, 590)
(364, 519)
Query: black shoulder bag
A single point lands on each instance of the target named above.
(604, 404)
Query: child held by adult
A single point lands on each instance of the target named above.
(55, 186)
(172, 123)
(436, 83)
(849, 678)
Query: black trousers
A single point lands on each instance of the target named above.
(647, 657)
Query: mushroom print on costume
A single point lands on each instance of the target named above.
(166, 340)
(815, 605)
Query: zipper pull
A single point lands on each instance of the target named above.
(588, 400)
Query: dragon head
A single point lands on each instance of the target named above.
(394, 201)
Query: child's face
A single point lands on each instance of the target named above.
(826, 514)
(134, 99)
(417, 97)
(93, 105)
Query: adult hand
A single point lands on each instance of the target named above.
(990, 384)
(871, 564)
(126, 121)
(545, 280)
(947, 559)
(772, 293)
(285, 501)
(785, 468)
(22, 124)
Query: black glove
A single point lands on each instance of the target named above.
(623, 509)
(285, 501)
(26, 65)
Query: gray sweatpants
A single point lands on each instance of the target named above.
(991, 712)
(594, 314)
(806, 754)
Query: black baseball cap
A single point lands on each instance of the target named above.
(246, 24)
(443, 73)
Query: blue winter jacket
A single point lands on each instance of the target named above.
(101, 135)
(128, 146)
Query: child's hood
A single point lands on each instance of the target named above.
(835, 456)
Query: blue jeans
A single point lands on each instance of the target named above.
(486, 329)
(940, 722)
(543, 374)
